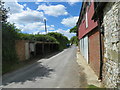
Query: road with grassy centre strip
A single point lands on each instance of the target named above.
(58, 71)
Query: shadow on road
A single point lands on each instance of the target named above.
(29, 73)
(47, 56)
(51, 55)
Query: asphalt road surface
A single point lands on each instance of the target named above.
(59, 71)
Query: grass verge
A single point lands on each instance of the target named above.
(93, 87)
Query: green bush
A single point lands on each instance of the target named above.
(24, 36)
(63, 40)
(45, 38)
(37, 37)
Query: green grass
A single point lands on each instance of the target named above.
(92, 86)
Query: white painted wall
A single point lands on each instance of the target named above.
(32, 47)
(84, 47)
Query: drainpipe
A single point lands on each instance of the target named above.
(101, 30)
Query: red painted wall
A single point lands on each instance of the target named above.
(94, 51)
(91, 24)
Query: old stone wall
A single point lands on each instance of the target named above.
(111, 22)
(20, 49)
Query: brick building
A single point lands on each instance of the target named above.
(108, 16)
(90, 38)
(23, 49)
(27, 49)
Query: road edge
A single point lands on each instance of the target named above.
(92, 78)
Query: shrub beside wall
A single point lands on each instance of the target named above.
(9, 57)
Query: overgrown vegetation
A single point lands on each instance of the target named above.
(74, 40)
(9, 56)
(9, 34)
(37, 37)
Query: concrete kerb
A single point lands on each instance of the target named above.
(92, 78)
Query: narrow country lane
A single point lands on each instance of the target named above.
(59, 71)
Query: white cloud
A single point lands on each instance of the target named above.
(27, 16)
(53, 10)
(14, 7)
(71, 2)
(41, 0)
(28, 21)
(32, 27)
(70, 22)
(36, 2)
(24, 5)
(51, 27)
(64, 32)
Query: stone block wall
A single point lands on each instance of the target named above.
(111, 22)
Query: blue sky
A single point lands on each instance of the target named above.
(29, 16)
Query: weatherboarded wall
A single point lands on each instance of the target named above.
(111, 22)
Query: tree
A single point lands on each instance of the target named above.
(74, 40)
(9, 35)
(3, 12)
(63, 40)
(73, 30)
